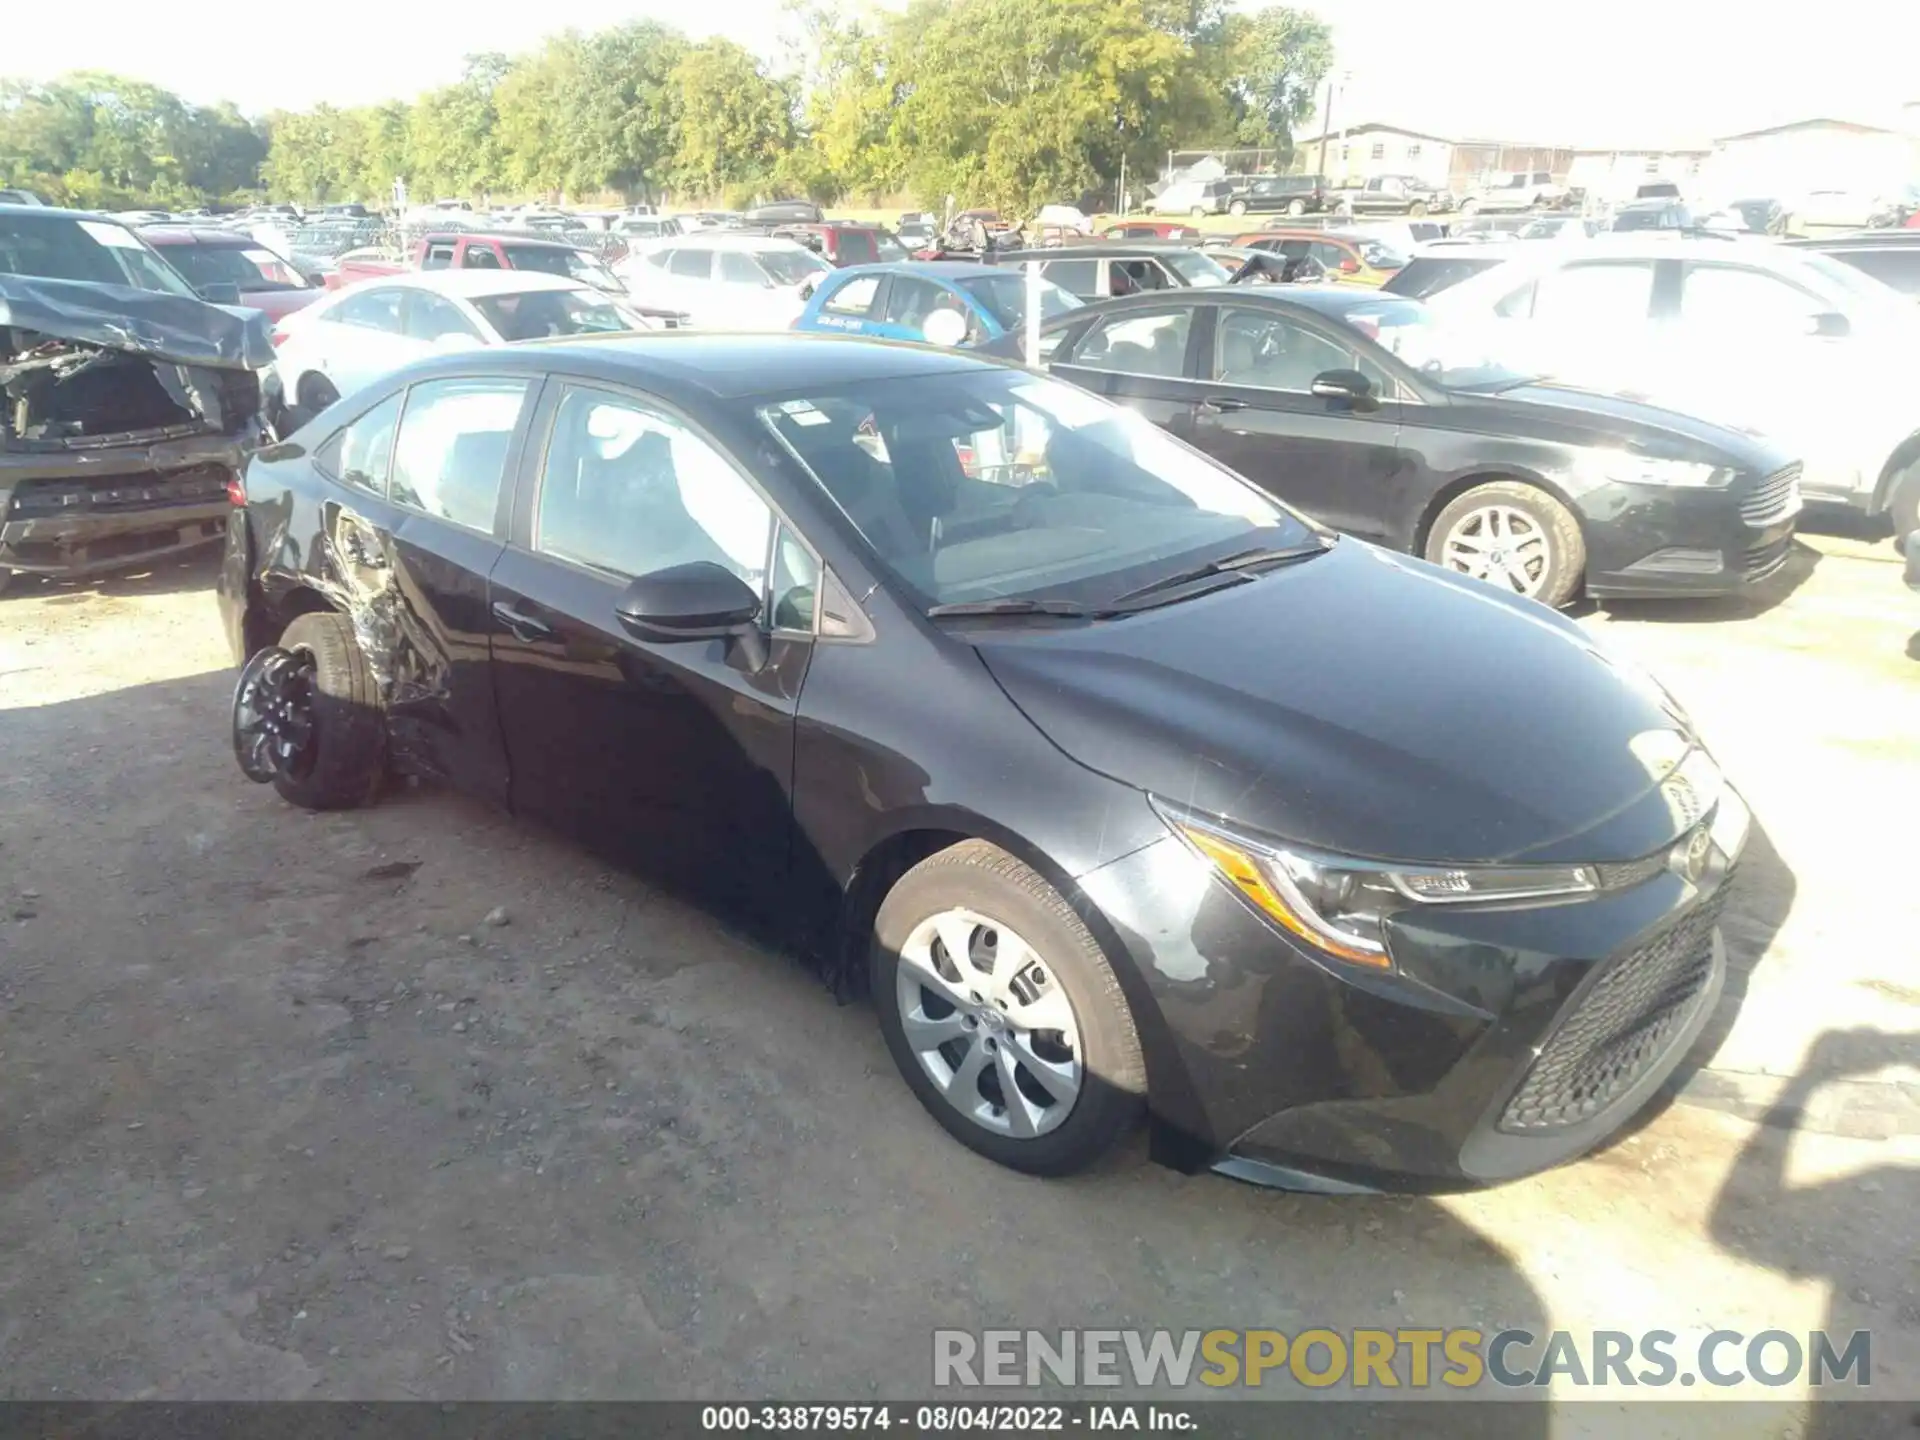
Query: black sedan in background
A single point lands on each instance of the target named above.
(1122, 787)
(1367, 413)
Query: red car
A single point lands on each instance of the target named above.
(843, 245)
(207, 258)
(459, 251)
(1150, 230)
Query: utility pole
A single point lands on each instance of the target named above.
(1326, 124)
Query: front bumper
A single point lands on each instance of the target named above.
(1508, 1039)
(1649, 541)
(82, 512)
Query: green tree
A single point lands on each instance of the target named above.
(1274, 61)
(733, 122)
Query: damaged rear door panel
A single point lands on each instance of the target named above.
(404, 529)
(124, 416)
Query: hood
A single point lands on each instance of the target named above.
(1576, 415)
(1364, 703)
(178, 328)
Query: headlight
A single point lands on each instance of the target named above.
(1340, 905)
(1618, 467)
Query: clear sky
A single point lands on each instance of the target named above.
(1625, 72)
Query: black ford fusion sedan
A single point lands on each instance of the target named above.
(1123, 789)
(1368, 413)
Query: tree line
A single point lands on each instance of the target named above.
(1012, 103)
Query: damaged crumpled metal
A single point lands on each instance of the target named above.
(141, 322)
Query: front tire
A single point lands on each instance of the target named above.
(1003, 1014)
(1512, 535)
(6, 579)
(343, 759)
(1417, 209)
(1903, 505)
(1296, 208)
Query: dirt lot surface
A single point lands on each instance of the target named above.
(283, 1115)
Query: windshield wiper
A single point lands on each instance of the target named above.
(1227, 565)
(1012, 605)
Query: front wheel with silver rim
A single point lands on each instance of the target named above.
(1003, 1014)
(1514, 536)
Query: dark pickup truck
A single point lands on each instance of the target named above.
(127, 404)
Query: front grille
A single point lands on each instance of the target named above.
(1624, 1022)
(1762, 560)
(1773, 499)
(117, 494)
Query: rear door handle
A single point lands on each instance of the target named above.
(523, 626)
(1222, 404)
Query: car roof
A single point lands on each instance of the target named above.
(730, 240)
(932, 269)
(694, 365)
(467, 284)
(511, 237)
(1116, 250)
(164, 235)
(45, 210)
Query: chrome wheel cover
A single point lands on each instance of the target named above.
(989, 1024)
(1500, 544)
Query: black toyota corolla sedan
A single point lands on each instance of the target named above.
(1367, 412)
(1124, 789)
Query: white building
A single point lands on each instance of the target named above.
(1816, 154)
(1357, 153)
(1615, 172)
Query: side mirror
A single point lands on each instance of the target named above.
(1346, 385)
(697, 601)
(945, 328)
(220, 292)
(1829, 325)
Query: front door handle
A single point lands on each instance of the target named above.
(1222, 404)
(524, 627)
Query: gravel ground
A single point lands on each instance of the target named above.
(282, 1114)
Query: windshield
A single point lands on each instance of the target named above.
(1850, 282)
(1195, 268)
(1005, 298)
(572, 264)
(552, 314)
(94, 252)
(1380, 255)
(791, 267)
(246, 269)
(997, 483)
(1447, 353)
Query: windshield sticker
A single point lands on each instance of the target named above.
(802, 412)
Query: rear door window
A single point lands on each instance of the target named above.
(360, 455)
(371, 310)
(1081, 277)
(693, 264)
(856, 297)
(452, 448)
(439, 256)
(1154, 343)
(1611, 293)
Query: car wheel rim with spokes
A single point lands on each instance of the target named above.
(989, 1024)
(273, 731)
(1501, 545)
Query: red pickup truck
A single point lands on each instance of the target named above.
(458, 251)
